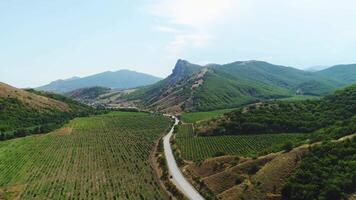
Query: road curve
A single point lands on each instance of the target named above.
(176, 175)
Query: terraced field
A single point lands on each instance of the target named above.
(101, 157)
(200, 148)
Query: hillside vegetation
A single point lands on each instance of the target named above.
(100, 157)
(326, 172)
(305, 169)
(26, 112)
(192, 87)
(87, 93)
(288, 116)
(342, 73)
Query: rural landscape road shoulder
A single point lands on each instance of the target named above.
(177, 177)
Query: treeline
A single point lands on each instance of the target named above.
(326, 172)
(22, 132)
(336, 110)
(19, 120)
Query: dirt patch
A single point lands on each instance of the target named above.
(64, 131)
(352, 197)
(222, 181)
(13, 192)
(213, 165)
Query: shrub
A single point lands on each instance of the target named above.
(287, 146)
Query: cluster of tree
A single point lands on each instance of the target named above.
(327, 172)
(290, 117)
(22, 132)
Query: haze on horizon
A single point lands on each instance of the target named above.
(42, 41)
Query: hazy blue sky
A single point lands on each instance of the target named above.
(44, 40)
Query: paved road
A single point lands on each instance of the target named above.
(177, 177)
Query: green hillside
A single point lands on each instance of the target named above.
(201, 88)
(27, 112)
(342, 73)
(87, 93)
(288, 116)
(326, 172)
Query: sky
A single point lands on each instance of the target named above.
(42, 41)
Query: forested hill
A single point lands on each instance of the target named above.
(192, 87)
(25, 112)
(336, 110)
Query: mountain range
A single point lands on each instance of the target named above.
(122, 79)
(192, 87)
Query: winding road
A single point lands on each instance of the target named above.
(176, 175)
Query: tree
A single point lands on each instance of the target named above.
(2, 136)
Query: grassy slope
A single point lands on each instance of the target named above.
(88, 93)
(240, 83)
(220, 90)
(231, 85)
(194, 117)
(284, 117)
(346, 74)
(22, 109)
(101, 157)
(280, 77)
(300, 98)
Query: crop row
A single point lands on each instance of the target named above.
(104, 157)
(200, 148)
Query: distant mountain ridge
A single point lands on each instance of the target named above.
(122, 79)
(346, 74)
(192, 87)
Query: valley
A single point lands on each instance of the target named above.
(247, 130)
(177, 100)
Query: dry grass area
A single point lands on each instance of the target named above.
(64, 131)
(352, 197)
(232, 178)
(211, 166)
(12, 192)
(263, 178)
(30, 99)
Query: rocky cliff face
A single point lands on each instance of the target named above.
(182, 70)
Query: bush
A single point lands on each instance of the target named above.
(253, 169)
(288, 146)
(219, 153)
(326, 172)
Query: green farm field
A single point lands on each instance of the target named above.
(100, 157)
(193, 117)
(201, 148)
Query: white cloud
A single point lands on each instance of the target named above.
(195, 20)
(189, 40)
(197, 14)
(300, 32)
